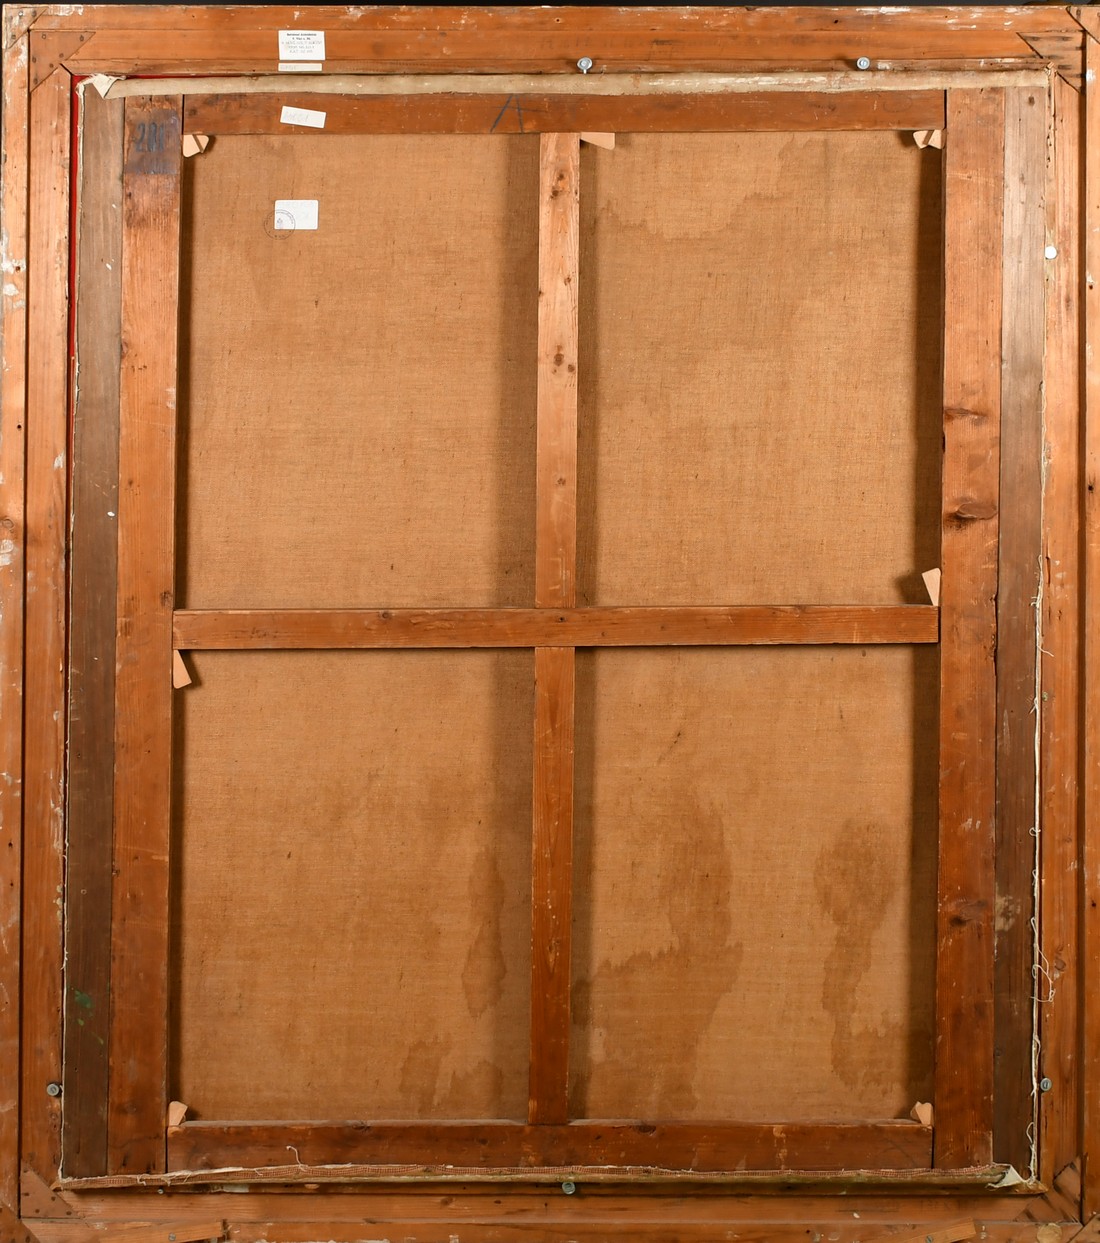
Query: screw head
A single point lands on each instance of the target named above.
(1045, 1084)
(864, 62)
(569, 1188)
(53, 1089)
(584, 64)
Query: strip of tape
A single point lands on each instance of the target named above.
(102, 83)
(609, 84)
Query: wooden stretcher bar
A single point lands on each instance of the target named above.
(138, 1045)
(242, 629)
(1090, 1069)
(974, 203)
(698, 1147)
(518, 113)
(1021, 451)
(571, 19)
(44, 616)
(94, 561)
(1059, 1117)
(555, 588)
(14, 203)
(708, 45)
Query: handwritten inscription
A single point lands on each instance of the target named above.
(153, 142)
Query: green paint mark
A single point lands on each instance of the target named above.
(82, 999)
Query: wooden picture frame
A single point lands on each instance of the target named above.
(90, 1141)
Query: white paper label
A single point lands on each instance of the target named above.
(301, 45)
(291, 214)
(302, 116)
(304, 67)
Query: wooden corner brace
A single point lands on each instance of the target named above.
(50, 48)
(12, 1228)
(39, 1202)
(37, 1199)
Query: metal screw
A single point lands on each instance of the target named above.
(864, 62)
(1045, 1084)
(569, 1188)
(584, 64)
(53, 1089)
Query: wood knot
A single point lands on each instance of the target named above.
(971, 510)
(967, 911)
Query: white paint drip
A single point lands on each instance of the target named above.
(7, 550)
(59, 461)
(10, 266)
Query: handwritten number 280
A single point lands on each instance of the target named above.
(149, 137)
